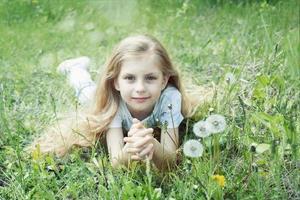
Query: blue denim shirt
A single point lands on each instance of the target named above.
(161, 115)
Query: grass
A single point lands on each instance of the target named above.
(257, 41)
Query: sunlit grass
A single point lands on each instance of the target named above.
(256, 43)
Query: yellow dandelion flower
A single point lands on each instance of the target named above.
(36, 154)
(220, 179)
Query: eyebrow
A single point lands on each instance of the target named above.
(150, 74)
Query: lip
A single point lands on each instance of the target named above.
(140, 99)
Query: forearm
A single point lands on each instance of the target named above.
(163, 158)
(121, 160)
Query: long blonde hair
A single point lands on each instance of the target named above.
(89, 125)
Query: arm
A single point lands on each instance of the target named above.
(116, 148)
(164, 155)
(121, 154)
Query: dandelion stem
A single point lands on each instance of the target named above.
(244, 112)
(216, 154)
(173, 128)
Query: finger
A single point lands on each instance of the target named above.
(135, 157)
(135, 120)
(144, 132)
(142, 142)
(150, 155)
(137, 124)
(129, 139)
(146, 151)
(138, 141)
(133, 150)
(132, 131)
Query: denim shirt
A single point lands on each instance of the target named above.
(167, 112)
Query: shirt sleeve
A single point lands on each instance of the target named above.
(173, 116)
(117, 121)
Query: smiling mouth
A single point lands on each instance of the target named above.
(140, 99)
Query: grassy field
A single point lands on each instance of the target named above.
(257, 42)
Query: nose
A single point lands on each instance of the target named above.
(140, 87)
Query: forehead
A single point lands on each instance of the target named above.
(142, 64)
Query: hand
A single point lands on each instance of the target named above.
(139, 142)
(139, 147)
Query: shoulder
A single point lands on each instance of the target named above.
(170, 95)
(122, 117)
(170, 92)
(172, 116)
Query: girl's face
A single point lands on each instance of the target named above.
(140, 83)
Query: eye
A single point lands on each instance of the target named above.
(129, 78)
(151, 78)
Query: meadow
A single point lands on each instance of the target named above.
(248, 50)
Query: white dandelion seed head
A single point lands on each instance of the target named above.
(202, 129)
(193, 148)
(229, 78)
(211, 109)
(217, 123)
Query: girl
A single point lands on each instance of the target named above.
(138, 90)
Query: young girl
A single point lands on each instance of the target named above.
(138, 90)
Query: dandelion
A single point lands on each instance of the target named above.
(229, 78)
(220, 179)
(202, 129)
(217, 123)
(193, 148)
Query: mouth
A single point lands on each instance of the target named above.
(140, 99)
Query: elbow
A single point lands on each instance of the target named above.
(116, 163)
(167, 164)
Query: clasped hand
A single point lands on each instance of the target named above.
(139, 143)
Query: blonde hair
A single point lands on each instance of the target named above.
(88, 126)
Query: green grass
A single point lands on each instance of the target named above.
(257, 41)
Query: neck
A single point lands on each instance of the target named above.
(141, 115)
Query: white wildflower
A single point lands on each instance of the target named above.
(229, 78)
(217, 123)
(193, 148)
(201, 129)
(158, 192)
(195, 187)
